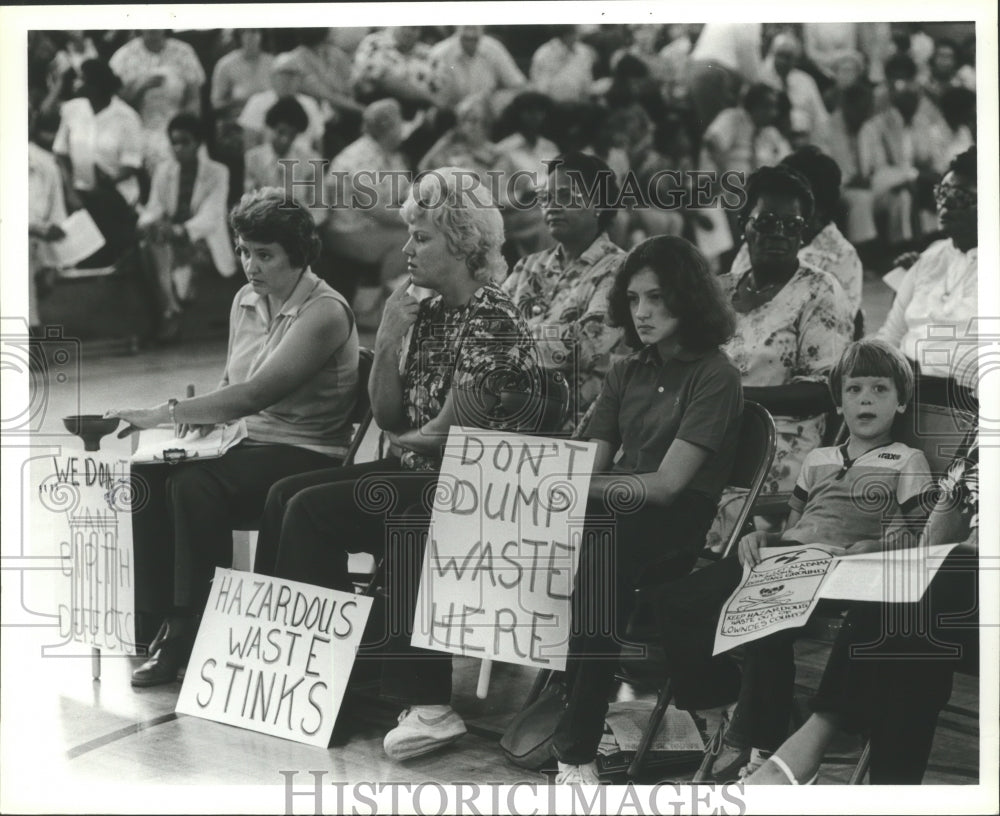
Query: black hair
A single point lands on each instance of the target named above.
(958, 106)
(267, 216)
(310, 37)
(99, 75)
(189, 123)
(965, 165)
(778, 180)
(947, 42)
(823, 175)
(858, 93)
(757, 94)
(595, 180)
(900, 66)
(289, 110)
(689, 290)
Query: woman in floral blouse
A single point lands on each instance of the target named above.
(893, 684)
(447, 360)
(793, 323)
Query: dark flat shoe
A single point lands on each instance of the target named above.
(161, 668)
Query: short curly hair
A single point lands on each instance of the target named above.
(778, 180)
(267, 216)
(689, 290)
(460, 205)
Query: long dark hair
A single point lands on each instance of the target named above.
(690, 291)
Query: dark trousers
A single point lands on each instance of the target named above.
(619, 552)
(688, 611)
(184, 516)
(313, 521)
(891, 668)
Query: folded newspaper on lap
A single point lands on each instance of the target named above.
(161, 445)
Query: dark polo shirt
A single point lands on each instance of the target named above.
(646, 403)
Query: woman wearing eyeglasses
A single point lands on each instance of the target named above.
(793, 320)
(940, 292)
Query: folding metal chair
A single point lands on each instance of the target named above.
(755, 452)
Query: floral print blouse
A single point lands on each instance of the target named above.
(564, 302)
(960, 485)
(797, 336)
(464, 347)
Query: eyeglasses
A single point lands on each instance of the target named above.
(954, 197)
(559, 197)
(769, 223)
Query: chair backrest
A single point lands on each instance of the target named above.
(754, 454)
(366, 357)
(362, 414)
(937, 430)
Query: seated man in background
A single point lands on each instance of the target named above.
(470, 62)
(364, 224)
(895, 149)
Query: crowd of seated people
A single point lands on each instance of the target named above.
(552, 155)
(893, 104)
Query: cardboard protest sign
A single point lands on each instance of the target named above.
(273, 656)
(79, 509)
(778, 593)
(502, 548)
(784, 588)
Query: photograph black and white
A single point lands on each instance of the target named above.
(509, 407)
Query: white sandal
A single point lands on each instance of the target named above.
(783, 767)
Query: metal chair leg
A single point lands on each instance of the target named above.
(862, 767)
(95, 662)
(662, 701)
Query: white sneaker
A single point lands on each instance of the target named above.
(422, 730)
(578, 774)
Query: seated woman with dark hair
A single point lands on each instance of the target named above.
(184, 222)
(291, 375)
(666, 425)
(823, 245)
(793, 320)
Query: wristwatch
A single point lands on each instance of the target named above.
(172, 410)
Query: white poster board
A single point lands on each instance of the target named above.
(782, 591)
(778, 593)
(273, 656)
(502, 548)
(79, 505)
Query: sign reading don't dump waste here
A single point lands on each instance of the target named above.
(274, 656)
(502, 549)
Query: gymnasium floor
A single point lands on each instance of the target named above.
(73, 743)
